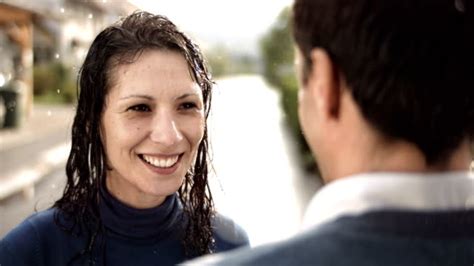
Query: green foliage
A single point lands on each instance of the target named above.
(277, 52)
(277, 49)
(223, 62)
(219, 61)
(53, 83)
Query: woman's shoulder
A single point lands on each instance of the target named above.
(24, 241)
(228, 234)
(37, 222)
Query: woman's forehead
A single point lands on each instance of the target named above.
(154, 72)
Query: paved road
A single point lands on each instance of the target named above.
(27, 155)
(47, 127)
(255, 181)
(30, 151)
(16, 208)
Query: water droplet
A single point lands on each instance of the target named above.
(56, 56)
(58, 91)
(470, 202)
(91, 16)
(49, 113)
(2, 80)
(62, 10)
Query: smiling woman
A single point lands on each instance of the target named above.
(137, 190)
(152, 124)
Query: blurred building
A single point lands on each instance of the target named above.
(42, 31)
(64, 29)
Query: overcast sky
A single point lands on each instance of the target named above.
(237, 24)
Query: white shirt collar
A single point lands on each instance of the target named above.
(357, 194)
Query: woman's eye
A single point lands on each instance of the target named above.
(188, 105)
(139, 108)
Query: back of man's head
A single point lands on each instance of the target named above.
(408, 64)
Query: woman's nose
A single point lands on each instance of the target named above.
(165, 130)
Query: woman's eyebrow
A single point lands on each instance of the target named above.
(187, 95)
(143, 96)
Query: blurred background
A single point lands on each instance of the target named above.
(263, 173)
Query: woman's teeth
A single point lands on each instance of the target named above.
(161, 162)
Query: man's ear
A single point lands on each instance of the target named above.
(323, 83)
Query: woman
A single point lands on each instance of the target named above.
(137, 191)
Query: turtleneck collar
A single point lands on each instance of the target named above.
(140, 224)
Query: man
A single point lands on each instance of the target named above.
(387, 107)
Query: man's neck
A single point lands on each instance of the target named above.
(393, 156)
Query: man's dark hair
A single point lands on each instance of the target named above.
(408, 64)
(122, 43)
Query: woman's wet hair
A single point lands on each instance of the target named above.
(123, 43)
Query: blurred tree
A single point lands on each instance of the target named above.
(219, 60)
(224, 61)
(277, 50)
(53, 83)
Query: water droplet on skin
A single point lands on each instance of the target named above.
(49, 113)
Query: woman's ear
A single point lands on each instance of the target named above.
(323, 83)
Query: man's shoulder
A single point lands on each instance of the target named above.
(312, 246)
(302, 249)
(359, 240)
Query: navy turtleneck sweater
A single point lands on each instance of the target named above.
(130, 237)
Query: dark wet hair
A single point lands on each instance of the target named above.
(119, 44)
(408, 64)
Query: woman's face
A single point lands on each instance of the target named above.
(152, 124)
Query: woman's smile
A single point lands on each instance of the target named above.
(160, 161)
(162, 165)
